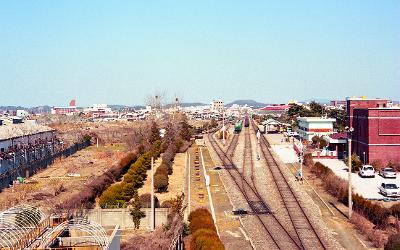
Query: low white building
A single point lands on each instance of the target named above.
(97, 110)
(22, 134)
(311, 126)
(22, 113)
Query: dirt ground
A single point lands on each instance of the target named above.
(176, 180)
(68, 175)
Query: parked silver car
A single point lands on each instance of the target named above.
(389, 189)
(387, 173)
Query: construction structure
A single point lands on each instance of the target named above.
(27, 227)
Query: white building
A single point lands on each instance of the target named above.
(217, 106)
(97, 110)
(22, 113)
(311, 126)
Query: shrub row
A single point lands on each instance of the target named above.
(378, 164)
(338, 187)
(203, 232)
(98, 185)
(367, 213)
(377, 236)
(161, 179)
(118, 195)
(393, 242)
(145, 201)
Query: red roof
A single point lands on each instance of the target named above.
(275, 107)
(338, 136)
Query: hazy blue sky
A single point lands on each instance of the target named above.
(119, 52)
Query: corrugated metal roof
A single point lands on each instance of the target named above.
(9, 131)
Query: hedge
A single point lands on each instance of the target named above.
(120, 194)
(203, 232)
(98, 185)
(338, 187)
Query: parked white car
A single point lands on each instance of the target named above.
(387, 173)
(389, 189)
(367, 171)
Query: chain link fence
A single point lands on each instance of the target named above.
(27, 162)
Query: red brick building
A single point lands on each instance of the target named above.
(359, 102)
(376, 133)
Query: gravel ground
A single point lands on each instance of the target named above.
(250, 224)
(310, 208)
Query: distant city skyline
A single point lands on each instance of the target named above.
(122, 52)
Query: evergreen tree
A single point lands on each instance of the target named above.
(135, 211)
(155, 133)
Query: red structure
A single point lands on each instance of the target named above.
(376, 133)
(276, 107)
(359, 102)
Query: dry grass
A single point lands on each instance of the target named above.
(376, 236)
(52, 186)
(176, 180)
(107, 132)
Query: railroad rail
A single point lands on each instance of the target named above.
(305, 230)
(273, 228)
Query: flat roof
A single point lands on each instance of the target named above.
(382, 108)
(9, 131)
(366, 99)
(316, 119)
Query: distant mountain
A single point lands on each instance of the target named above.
(252, 103)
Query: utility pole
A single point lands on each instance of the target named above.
(223, 127)
(189, 196)
(350, 198)
(153, 219)
(349, 133)
(301, 158)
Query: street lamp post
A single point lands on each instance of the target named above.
(364, 158)
(350, 131)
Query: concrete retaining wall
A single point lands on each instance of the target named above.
(121, 217)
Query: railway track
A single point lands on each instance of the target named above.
(307, 234)
(274, 231)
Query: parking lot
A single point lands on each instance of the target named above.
(366, 187)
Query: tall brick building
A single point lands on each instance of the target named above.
(359, 102)
(376, 126)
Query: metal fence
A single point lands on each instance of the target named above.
(26, 162)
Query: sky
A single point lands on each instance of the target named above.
(120, 52)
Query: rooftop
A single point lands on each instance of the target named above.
(8, 131)
(316, 119)
(366, 99)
